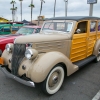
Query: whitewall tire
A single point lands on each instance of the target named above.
(54, 80)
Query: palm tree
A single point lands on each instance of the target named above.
(54, 7)
(42, 1)
(32, 6)
(13, 9)
(21, 8)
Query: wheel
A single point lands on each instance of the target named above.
(0, 53)
(54, 80)
(98, 56)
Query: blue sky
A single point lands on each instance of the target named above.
(75, 8)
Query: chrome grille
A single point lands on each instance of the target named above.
(17, 56)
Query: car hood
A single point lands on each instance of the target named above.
(8, 37)
(40, 38)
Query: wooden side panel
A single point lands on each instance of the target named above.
(79, 47)
(92, 36)
(91, 43)
(98, 35)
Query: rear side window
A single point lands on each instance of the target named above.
(98, 26)
(92, 26)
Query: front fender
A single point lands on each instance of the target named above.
(41, 68)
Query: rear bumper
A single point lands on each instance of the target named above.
(8, 74)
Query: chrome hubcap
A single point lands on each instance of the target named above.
(54, 79)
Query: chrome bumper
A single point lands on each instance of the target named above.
(8, 74)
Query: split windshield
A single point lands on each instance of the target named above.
(25, 31)
(58, 26)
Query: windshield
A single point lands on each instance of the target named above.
(25, 31)
(58, 26)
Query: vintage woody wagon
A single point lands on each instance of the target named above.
(64, 45)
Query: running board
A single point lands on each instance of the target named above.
(81, 63)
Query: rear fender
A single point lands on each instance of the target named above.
(96, 47)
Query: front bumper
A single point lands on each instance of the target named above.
(8, 74)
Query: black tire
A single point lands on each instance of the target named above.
(98, 56)
(0, 53)
(54, 80)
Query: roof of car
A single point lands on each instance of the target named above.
(76, 18)
(31, 26)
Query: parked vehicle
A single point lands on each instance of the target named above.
(9, 27)
(64, 45)
(25, 30)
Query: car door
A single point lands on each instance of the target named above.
(79, 42)
(91, 36)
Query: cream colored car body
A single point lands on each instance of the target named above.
(38, 68)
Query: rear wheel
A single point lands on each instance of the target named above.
(98, 56)
(54, 80)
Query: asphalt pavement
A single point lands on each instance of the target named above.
(82, 85)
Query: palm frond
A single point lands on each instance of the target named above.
(42, 1)
(12, 2)
(32, 5)
(13, 8)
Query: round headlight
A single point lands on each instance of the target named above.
(9, 47)
(31, 53)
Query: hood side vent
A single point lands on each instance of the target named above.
(49, 45)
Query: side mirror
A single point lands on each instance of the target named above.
(78, 31)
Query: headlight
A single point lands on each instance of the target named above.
(9, 47)
(31, 53)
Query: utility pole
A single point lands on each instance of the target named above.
(91, 10)
(91, 2)
(54, 7)
(66, 7)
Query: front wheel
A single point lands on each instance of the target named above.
(54, 80)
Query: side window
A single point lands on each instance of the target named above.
(98, 26)
(36, 31)
(81, 27)
(6, 29)
(92, 26)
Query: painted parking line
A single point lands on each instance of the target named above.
(97, 96)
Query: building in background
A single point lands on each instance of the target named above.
(39, 21)
(3, 19)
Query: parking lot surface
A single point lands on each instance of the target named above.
(82, 85)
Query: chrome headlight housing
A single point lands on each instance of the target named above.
(9, 47)
(31, 53)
